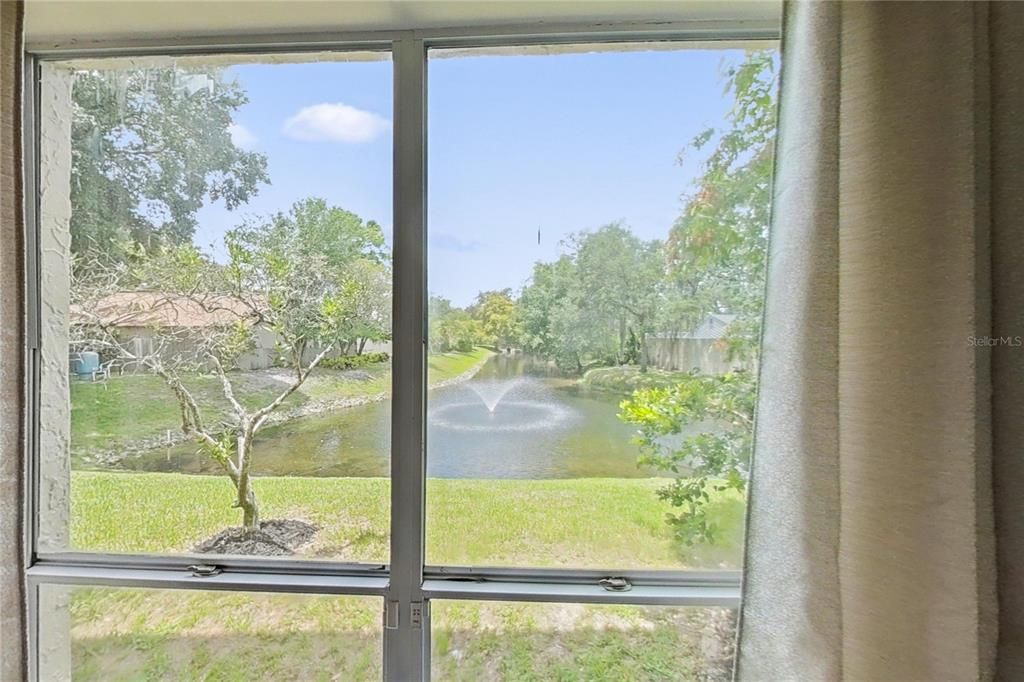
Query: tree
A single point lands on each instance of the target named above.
(703, 462)
(550, 286)
(717, 250)
(718, 246)
(498, 317)
(597, 302)
(373, 304)
(453, 328)
(149, 146)
(621, 282)
(311, 300)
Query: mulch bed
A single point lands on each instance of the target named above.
(275, 537)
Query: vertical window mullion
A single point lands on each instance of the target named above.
(406, 643)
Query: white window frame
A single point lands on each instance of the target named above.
(407, 584)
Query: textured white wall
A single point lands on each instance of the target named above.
(54, 393)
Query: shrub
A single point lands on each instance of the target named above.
(354, 361)
(710, 460)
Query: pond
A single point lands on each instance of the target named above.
(509, 421)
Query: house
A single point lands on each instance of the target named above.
(150, 322)
(174, 324)
(703, 349)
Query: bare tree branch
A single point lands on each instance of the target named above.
(229, 392)
(260, 416)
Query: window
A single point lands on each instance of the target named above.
(268, 445)
(131, 634)
(561, 255)
(225, 291)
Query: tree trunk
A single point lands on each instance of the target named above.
(620, 357)
(246, 497)
(362, 345)
(250, 510)
(643, 349)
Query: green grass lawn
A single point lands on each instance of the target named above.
(137, 634)
(588, 522)
(124, 409)
(125, 635)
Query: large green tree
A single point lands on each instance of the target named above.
(620, 278)
(498, 316)
(597, 302)
(551, 288)
(149, 147)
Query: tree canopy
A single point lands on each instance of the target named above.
(716, 254)
(149, 146)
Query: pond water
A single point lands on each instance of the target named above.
(509, 421)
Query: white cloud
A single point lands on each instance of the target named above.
(335, 123)
(242, 136)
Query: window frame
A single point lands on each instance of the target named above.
(406, 585)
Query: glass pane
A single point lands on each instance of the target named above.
(217, 305)
(113, 634)
(521, 641)
(598, 222)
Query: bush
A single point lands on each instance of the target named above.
(703, 463)
(354, 361)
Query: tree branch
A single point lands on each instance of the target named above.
(229, 392)
(260, 416)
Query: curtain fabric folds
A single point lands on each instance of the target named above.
(886, 531)
(12, 613)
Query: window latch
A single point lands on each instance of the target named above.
(615, 584)
(204, 570)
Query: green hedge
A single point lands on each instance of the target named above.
(354, 361)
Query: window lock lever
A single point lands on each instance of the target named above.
(615, 584)
(204, 570)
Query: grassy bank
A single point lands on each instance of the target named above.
(128, 408)
(625, 380)
(135, 634)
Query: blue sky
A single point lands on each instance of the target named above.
(516, 143)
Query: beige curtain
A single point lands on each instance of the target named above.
(12, 624)
(886, 531)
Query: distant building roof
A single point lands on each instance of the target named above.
(712, 327)
(159, 309)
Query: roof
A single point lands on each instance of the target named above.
(159, 309)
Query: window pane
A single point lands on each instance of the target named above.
(598, 222)
(108, 634)
(216, 297)
(521, 641)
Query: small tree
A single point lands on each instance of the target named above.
(702, 463)
(271, 282)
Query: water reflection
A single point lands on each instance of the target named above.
(541, 426)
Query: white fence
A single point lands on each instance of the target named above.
(706, 356)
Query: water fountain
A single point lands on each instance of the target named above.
(519, 404)
(491, 392)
